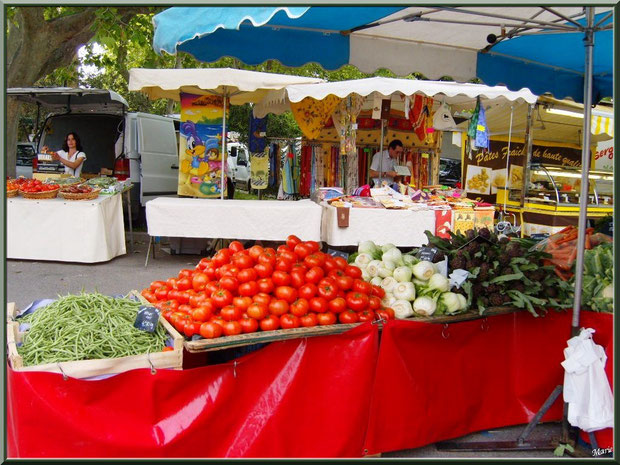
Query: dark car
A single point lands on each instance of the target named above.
(449, 171)
(26, 152)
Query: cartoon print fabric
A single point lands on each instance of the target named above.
(200, 151)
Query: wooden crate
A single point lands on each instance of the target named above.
(88, 368)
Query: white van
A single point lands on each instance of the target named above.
(114, 140)
(239, 165)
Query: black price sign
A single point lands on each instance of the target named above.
(338, 253)
(147, 319)
(427, 253)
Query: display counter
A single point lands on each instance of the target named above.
(87, 231)
(270, 220)
(345, 395)
(403, 228)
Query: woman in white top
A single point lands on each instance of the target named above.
(71, 155)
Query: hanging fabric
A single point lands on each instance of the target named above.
(258, 129)
(312, 115)
(419, 114)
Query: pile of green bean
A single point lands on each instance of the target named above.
(85, 327)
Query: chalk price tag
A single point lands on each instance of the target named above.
(427, 253)
(147, 319)
(338, 253)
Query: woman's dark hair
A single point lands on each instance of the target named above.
(395, 143)
(78, 144)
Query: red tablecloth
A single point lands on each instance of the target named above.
(335, 396)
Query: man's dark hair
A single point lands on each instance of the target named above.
(395, 143)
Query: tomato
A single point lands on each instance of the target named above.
(330, 264)
(211, 271)
(265, 285)
(338, 305)
(300, 307)
(301, 250)
(221, 298)
(235, 246)
(264, 270)
(232, 328)
(262, 298)
(248, 324)
(287, 293)
(248, 289)
(278, 307)
(292, 241)
(183, 284)
(243, 261)
(326, 318)
(353, 271)
(228, 270)
(229, 283)
(348, 316)
(314, 274)
(267, 257)
(357, 301)
(222, 257)
(247, 274)
(161, 293)
(289, 321)
(307, 291)
(202, 313)
(196, 300)
(327, 289)
(281, 248)
(318, 304)
(255, 251)
(257, 310)
(210, 330)
(338, 273)
(191, 328)
(378, 291)
(148, 295)
(315, 259)
(308, 320)
(281, 278)
(359, 285)
(211, 287)
(202, 264)
(184, 308)
(269, 323)
(182, 297)
(390, 312)
(313, 246)
(230, 313)
(344, 282)
(156, 285)
(282, 264)
(366, 315)
(374, 302)
(242, 303)
(185, 273)
(300, 266)
(199, 281)
(288, 254)
(170, 305)
(298, 278)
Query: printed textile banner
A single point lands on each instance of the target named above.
(200, 146)
(259, 169)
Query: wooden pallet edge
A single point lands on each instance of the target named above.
(12, 329)
(467, 316)
(11, 311)
(227, 342)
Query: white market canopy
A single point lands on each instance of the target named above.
(241, 86)
(497, 101)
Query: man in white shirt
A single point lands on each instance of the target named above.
(382, 166)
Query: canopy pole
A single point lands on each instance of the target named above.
(585, 167)
(224, 152)
(381, 156)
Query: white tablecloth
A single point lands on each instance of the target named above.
(85, 231)
(270, 220)
(403, 228)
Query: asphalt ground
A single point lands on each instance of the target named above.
(27, 281)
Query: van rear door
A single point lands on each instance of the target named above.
(158, 151)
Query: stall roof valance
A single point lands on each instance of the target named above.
(241, 86)
(446, 91)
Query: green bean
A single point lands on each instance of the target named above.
(86, 327)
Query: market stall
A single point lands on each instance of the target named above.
(59, 229)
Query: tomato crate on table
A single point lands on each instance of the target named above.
(172, 359)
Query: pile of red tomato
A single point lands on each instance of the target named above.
(35, 185)
(242, 290)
